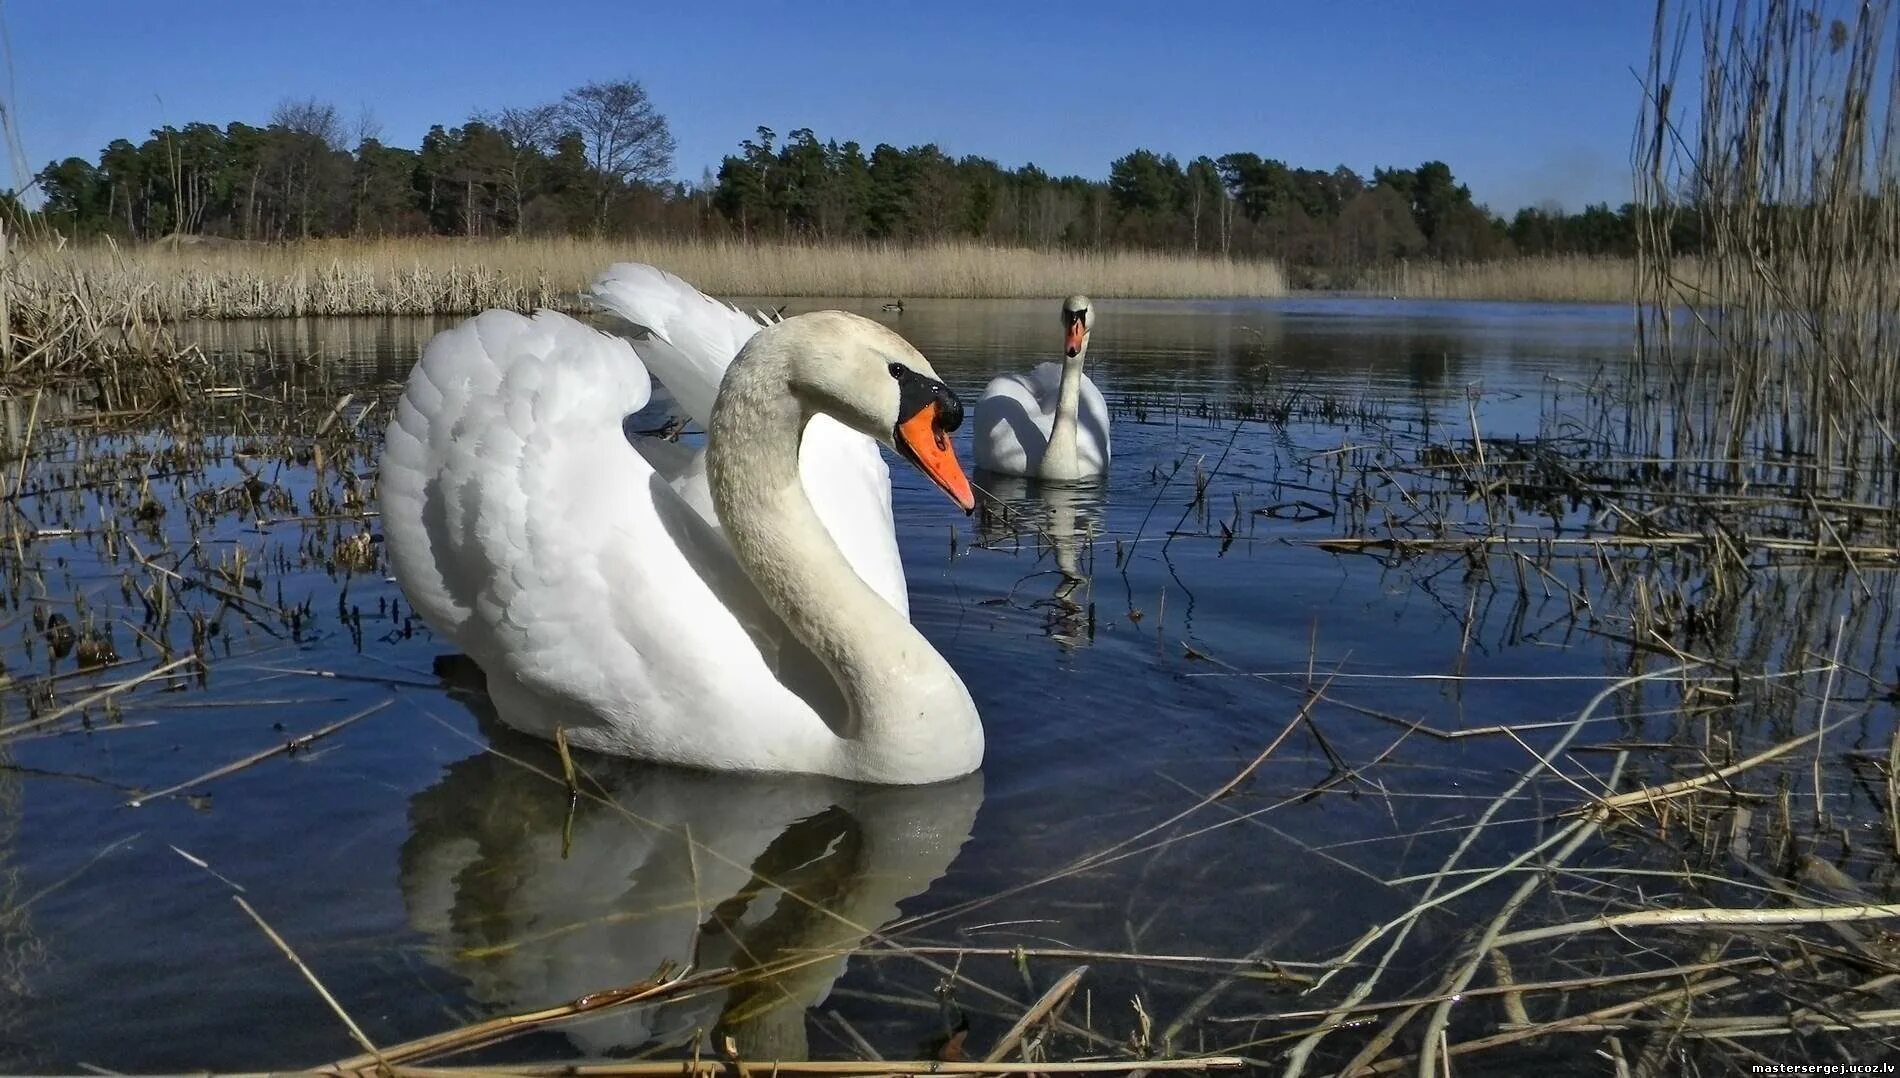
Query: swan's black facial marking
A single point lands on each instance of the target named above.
(1075, 329)
(916, 392)
(927, 411)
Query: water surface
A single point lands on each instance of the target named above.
(426, 865)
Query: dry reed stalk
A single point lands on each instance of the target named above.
(1698, 918)
(1725, 1026)
(1354, 544)
(292, 745)
(1572, 1022)
(1262, 966)
(661, 985)
(718, 1068)
(356, 1031)
(1049, 1001)
(1513, 989)
(1437, 1028)
(93, 698)
(1401, 927)
(849, 1068)
(1650, 796)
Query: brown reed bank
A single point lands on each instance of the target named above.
(435, 276)
(1552, 279)
(57, 326)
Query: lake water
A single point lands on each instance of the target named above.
(428, 870)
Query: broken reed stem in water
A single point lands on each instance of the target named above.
(848, 1068)
(1437, 1026)
(1651, 795)
(1265, 967)
(87, 701)
(567, 762)
(1400, 928)
(1573, 1022)
(299, 742)
(1356, 544)
(1056, 996)
(1698, 918)
(356, 1031)
(661, 985)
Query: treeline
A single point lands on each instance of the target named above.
(593, 162)
(597, 161)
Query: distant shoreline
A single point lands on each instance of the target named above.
(192, 278)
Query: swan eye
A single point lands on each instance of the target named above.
(899, 371)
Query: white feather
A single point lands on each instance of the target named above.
(589, 577)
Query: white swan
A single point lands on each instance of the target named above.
(736, 608)
(1051, 423)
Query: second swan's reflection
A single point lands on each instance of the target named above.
(701, 869)
(1058, 520)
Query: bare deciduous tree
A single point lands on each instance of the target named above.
(310, 117)
(626, 137)
(366, 127)
(533, 127)
(531, 133)
(317, 131)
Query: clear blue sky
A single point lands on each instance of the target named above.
(1526, 100)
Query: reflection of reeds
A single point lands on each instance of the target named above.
(450, 276)
(20, 950)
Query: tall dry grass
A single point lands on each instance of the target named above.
(1786, 158)
(54, 327)
(438, 276)
(1554, 279)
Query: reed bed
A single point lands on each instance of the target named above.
(1715, 847)
(1787, 163)
(459, 277)
(1557, 279)
(56, 327)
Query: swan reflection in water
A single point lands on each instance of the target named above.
(683, 866)
(1057, 521)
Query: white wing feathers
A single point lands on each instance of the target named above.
(527, 529)
(478, 403)
(694, 336)
(692, 339)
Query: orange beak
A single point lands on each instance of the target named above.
(928, 447)
(1072, 343)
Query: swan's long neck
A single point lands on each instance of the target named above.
(1060, 459)
(911, 719)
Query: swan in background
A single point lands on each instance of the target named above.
(737, 607)
(702, 869)
(1051, 423)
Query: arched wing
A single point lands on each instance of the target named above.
(524, 526)
(691, 339)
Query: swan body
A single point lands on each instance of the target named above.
(1052, 422)
(739, 607)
